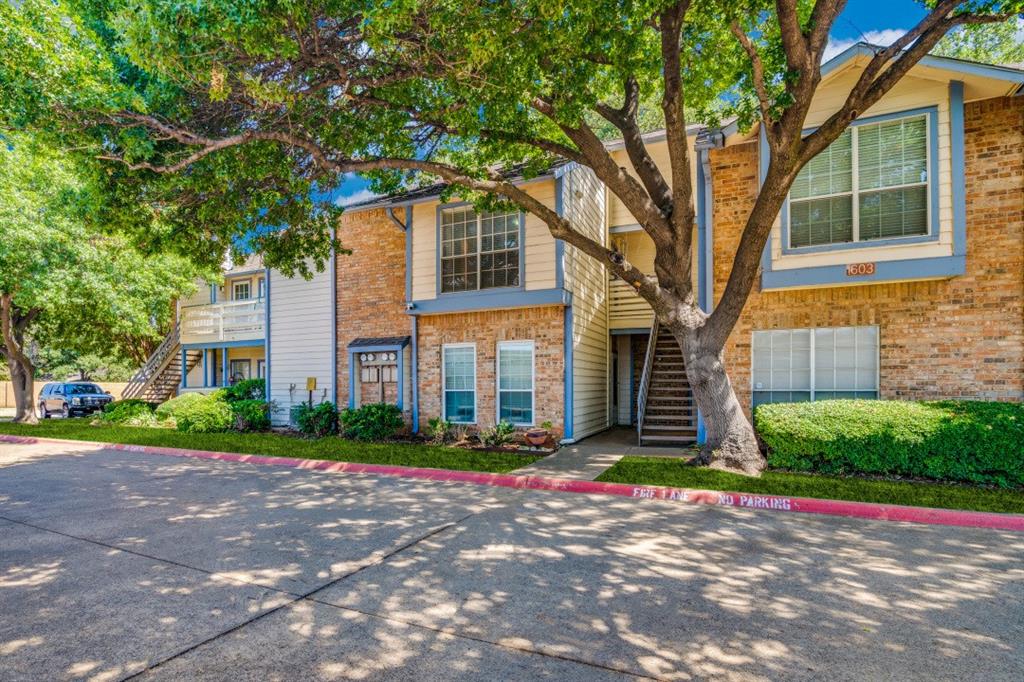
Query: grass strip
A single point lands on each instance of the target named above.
(277, 445)
(676, 474)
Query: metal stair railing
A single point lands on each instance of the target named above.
(645, 382)
(154, 365)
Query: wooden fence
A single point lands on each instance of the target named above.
(7, 390)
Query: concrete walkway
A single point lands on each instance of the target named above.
(590, 457)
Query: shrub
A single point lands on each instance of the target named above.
(439, 431)
(500, 434)
(249, 389)
(376, 421)
(250, 415)
(206, 415)
(317, 421)
(131, 412)
(169, 409)
(952, 440)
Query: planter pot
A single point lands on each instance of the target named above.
(536, 437)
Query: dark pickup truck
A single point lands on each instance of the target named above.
(71, 398)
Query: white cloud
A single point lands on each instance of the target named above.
(361, 195)
(884, 37)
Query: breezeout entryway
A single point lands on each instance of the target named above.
(651, 391)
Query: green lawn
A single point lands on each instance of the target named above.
(335, 449)
(674, 473)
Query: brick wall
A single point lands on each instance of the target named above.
(370, 286)
(544, 326)
(962, 337)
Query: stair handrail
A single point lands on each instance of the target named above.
(645, 381)
(156, 361)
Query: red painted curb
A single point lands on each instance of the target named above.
(805, 505)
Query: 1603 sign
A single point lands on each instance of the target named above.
(858, 269)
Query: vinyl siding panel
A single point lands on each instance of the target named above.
(301, 340)
(584, 205)
(618, 214)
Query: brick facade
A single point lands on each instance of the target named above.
(370, 290)
(962, 337)
(544, 326)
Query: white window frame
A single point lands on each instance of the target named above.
(248, 290)
(813, 369)
(517, 345)
(479, 252)
(854, 192)
(261, 368)
(444, 389)
(261, 288)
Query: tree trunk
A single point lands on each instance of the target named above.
(23, 383)
(730, 443)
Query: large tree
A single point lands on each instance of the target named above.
(64, 282)
(240, 110)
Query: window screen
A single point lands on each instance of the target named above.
(459, 379)
(515, 383)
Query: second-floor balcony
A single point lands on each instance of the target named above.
(220, 322)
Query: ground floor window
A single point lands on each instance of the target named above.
(261, 369)
(458, 377)
(239, 370)
(794, 365)
(515, 382)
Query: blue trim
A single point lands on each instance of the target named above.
(334, 329)
(437, 254)
(226, 367)
(184, 367)
(266, 340)
(702, 265)
(352, 379)
(947, 63)
(206, 369)
(885, 271)
(630, 330)
(567, 343)
(559, 244)
(223, 344)
(213, 294)
(764, 157)
(414, 370)
(489, 299)
(932, 114)
(959, 181)
(408, 253)
(380, 348)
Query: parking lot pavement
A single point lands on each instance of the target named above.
(117, 564)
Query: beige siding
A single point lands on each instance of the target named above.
(910, 93)
(538, 246)
(618, 214)
(301, 337)
(586, 278)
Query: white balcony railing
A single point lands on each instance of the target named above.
(626, 309)
(231, 321)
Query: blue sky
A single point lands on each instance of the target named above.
(873, 21)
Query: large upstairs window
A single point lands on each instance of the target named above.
(872, 183)
(479, 250)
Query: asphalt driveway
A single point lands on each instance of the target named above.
(117, 564)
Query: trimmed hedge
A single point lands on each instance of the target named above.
(372, 422)
(250, 415)
(948, 440)
(132, 412)
(170, 409)
(207, 415)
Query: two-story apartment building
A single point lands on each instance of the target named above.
(895, 270)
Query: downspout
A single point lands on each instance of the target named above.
(706, 232)
(414, 365)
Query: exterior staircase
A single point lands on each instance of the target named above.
(666, 410)
(158, 380)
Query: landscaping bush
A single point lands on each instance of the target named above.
(317, 421)
(250, 415)
(206, 415)
(500, 434)
(376, 421)
(248, 389)
(169, 409)
(951, 440)
(131, 412)
(439, 431)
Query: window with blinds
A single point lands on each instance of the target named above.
(797, 365)
(458, 377)
(871, 183)
(478, 251)
(515, 382)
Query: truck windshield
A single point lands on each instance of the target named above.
(81, 389)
